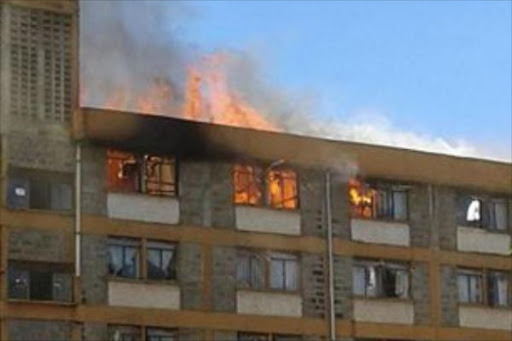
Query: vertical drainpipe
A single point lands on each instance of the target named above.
(328, 217)
(78, 213)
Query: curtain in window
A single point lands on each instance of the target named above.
(115, 263)
(500, 215)
(400, 205)
(358, 280)
(401, 284)
(291, 275)
(475, 289)
(242, 269)
(463, 288)
(371, 281)
(276, 274)
(131, 261)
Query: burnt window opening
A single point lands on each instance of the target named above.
(43, 190)
(161, 260)
(469, 284)
(269, 270)
(487, 213)
(278, 187)
(39, 281)
(498, 289)
(147, 174)
(124, 333)
(380, 279)
(380, 201)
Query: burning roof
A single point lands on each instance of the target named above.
(191, 139)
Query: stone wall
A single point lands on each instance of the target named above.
(343, 287)
(419, 218)
(311, 201)
(94, 331)
(94, 199)
(445, 217)
(195, 193)
(94, 269)
(420, 293)
(223, 214)
(189, 275)
(223, 279)
(449, 296)
(23, 330)
(314, 285)
(42, 246)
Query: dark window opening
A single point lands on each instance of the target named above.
(379, 279)
(161, 260)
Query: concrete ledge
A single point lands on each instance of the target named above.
(470, 239)
(142, 207)
(260, 219)
(144, 295)
(485, 318)
(267, 303)
(380, 232)
(382, 311)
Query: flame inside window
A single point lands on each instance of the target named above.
(361, 199)
(247, 184)
(282, 189)
(122, 171)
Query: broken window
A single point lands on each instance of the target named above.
(379, 279)
(44, 190)
(161, 260)
(148, 174)
(282, 189)
(39, 281)
(247, 184)
(157, 334)
(498, 289)
(123, 257)
(488, 213)
(124, 333)
(283, 271)
(378, 202)
(249, 269)
(469, 285)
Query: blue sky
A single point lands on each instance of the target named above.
(432, 68)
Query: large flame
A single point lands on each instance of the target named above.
(207, 98)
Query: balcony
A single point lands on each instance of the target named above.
(380, 232)
(268, 303)
(267, 220)
(470, 239)
(485, 317)
(144, 295)
(141, 207)
(384, 311)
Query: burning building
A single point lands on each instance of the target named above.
(123, 226)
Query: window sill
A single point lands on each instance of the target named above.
(164, 282)
(69, 212)
(270, 291)
(33, 302)
(383, 299)
(483, 306)
(383, 220)
(291, 210)
(175, 196)
(485, 230)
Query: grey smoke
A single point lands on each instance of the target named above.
(128, 44)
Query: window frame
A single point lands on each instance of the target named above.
(265, 282)
(141, 179)
(162, 247)
(487, 212)
(468, 274)
(507, 277)
(380, 266)
(261, 181)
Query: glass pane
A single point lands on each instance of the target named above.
(18, 283)
(168, 260)
(154, 265)
(402, 284)
(358, 280)
(115, 259)
(371, 281)
(463, 288)
(475, 289)
(242, 269)
(382, 203)
(500, 213)
(276, 274)
(256, 273)
(291, 275)
(131, 262)
(400, 205)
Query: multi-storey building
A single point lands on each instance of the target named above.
(124, 226)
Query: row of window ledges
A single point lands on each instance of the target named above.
(275, 187)
(255, 269)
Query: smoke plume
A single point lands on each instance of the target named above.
(128, 48)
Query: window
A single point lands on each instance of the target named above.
(161, 260)
(498, 289)
(267, 337)
(39, 281)
(124, 333)
(283, 271)
(253, 268)
(379, 279)
(469, 285)
(378, 202)
(148, 174)
(28, 189)
(488, 213)
(277, 186)
(123, 257)
(247, 185)
(154, 334)
(249, 269)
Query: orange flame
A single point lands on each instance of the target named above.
(361, 199)
(207, 98)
